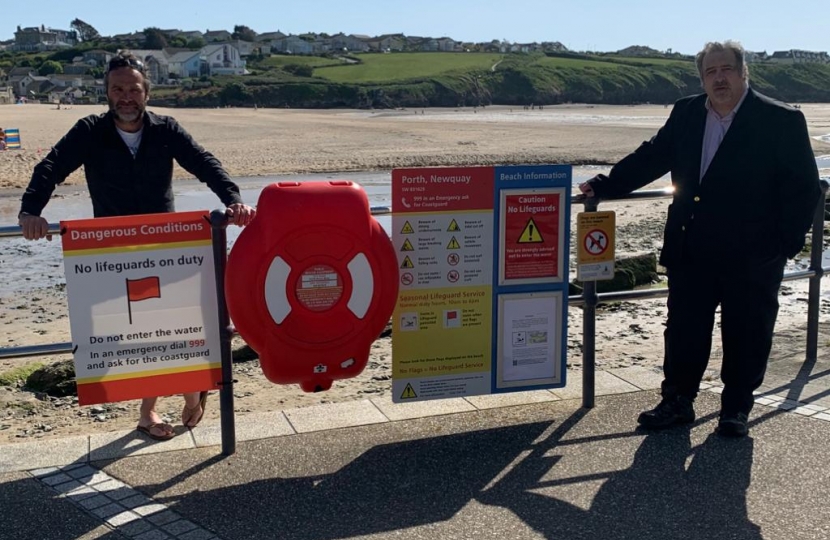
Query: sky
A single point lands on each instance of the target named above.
(581, 25)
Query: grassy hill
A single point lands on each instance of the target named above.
(387, 68)
(464, 79)
(449, 79)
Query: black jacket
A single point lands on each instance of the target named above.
(757, 198)
(120, 185)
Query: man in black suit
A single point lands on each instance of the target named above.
(745, 189)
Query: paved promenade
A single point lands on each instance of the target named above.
(521, 466)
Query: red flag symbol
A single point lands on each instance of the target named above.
(142, 289)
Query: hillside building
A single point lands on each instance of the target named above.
(40, 38)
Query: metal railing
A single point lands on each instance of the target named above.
(588, 300)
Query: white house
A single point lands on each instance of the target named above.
(97, 57)
(429, 45)
(245, 48)
(63, 80)
(353, 43)
(392, 42)
(446, 44)
(186, 64)
(65, 95)
(796, 56)
(292, 45)
(222, 59)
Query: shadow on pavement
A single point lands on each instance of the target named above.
(670, 490)
(557, 482)
(387, 488)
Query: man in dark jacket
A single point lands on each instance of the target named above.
(128, 156)
(746, 186)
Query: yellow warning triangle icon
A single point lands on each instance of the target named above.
(531, 234)
(407, 246)
(407, 228)
(453, 226)
(408, 392)
(453, 244)
(407, 263)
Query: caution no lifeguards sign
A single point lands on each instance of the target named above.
(595, 245)
(531, 236)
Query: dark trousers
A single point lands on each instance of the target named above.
(749, 307)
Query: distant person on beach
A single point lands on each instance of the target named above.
(2, 139)
(745, 190)
(128, 154)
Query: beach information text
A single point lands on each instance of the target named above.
(482, 256)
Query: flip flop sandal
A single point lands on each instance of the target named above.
(191, 423)
(148, 430)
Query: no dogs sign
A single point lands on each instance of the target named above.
(595, 245)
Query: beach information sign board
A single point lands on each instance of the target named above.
(483, 268)
(142, 305)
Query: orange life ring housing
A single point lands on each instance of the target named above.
(312, 282)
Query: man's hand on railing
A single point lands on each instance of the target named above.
(586, 188)
(240, 214)
(34, 227)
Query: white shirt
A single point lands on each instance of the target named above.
(716, 128)
(132, 140)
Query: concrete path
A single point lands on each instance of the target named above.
(530, 465)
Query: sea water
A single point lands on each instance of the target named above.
(28, 265)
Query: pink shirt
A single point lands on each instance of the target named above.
(716, 128)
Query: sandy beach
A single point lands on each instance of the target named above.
(284, 141)
(256, 142)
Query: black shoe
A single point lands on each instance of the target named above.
(670, 411)
(733, 425)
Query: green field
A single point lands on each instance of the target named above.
(576, 63)
(379, 68)
(278, 61)
(396, 67)
(651, 61)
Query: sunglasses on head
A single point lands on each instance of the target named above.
(120, 61)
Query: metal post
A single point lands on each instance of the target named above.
(816, 253)
(218, 223)
(589, 320)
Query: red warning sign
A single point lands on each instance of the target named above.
(531, 235)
